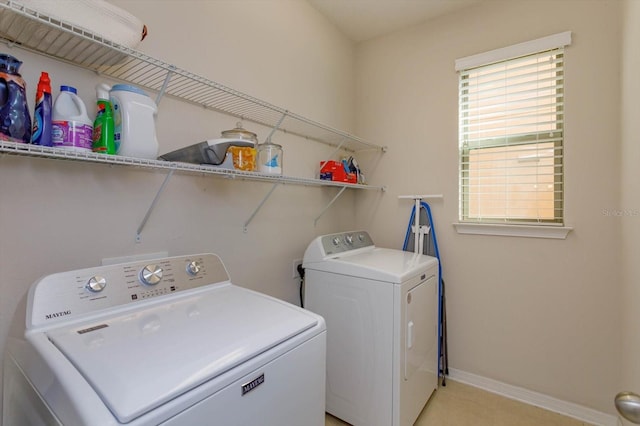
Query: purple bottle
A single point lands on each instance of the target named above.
(15, 122)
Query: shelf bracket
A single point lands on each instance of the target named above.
(333, 153)
(153, 205)
(315, 222)
(264, 200)
(163, 89)
(277, 126)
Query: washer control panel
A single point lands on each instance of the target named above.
(151, 274)
(67, 295)
(345, 241)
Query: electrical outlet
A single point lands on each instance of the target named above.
(296, 262)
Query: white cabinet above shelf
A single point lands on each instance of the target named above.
(28, 29)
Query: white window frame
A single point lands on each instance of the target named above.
(543, 229)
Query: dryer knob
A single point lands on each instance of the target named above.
(151, 275)
(96, 284)
(349, 239)
(336, 241)
(193, 268)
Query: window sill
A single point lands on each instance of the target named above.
(530, 231)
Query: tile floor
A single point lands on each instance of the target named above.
(461, 405)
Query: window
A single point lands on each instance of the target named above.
(511, 134)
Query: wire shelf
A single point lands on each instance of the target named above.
(30, 150)
(34, 31)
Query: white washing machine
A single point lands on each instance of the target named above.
(381, 310)
(166, 342)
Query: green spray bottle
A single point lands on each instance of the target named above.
(103, 126)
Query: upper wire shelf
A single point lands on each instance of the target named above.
(34, 31)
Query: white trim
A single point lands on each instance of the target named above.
(537, 399)
(528, 47)
(531, 231)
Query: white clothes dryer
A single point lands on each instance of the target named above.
(166, 342)
(381, 310)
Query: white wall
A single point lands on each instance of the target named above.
(539, 314)
(57, 215)
(630, 199)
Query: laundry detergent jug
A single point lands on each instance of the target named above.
(134, 114)
(71, 127)
(15, 122)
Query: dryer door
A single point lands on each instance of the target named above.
(421, 326)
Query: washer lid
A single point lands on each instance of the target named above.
(140, 360)
(381, 264)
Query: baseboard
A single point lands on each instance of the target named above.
(569, 409)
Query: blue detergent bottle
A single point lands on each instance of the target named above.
(15, 122)
(42, 113)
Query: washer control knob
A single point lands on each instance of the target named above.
(96, 284)
(193, 268)
(349, 239)
(151, 275)
(361, 237)
(336, 241)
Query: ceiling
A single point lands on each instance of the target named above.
(362, 20)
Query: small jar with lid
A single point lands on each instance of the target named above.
(270, 158)
(240, 133)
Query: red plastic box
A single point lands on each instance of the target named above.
(334, 170)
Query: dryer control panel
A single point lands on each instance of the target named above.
(66, 295)
(345, 241)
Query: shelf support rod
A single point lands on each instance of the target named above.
(163, 89)
(315, 222)
(153, 205)
(277, 126)
(332, 153)
(264, 200)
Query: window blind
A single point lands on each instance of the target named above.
(511, 140)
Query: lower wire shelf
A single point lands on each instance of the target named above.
(29, 150)
(22, 149)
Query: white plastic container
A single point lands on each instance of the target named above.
(99, 16)
(71, 127)
(134, 114)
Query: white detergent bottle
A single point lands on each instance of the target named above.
(71, 127)
(134, 114)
